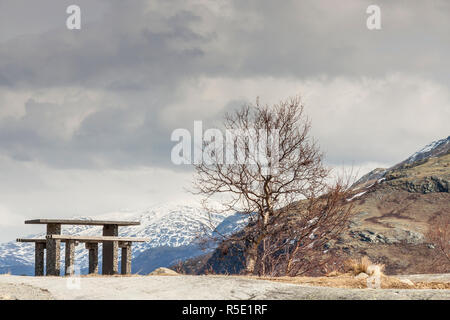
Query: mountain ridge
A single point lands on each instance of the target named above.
(434, 149)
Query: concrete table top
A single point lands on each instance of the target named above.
(83, 222)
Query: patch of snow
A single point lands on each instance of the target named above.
(427, 149)
(357, 195)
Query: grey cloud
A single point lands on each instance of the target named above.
(111, 52)
(142, 53)
(111, 136)
(289, 38)
(86, 116)
(304, 38)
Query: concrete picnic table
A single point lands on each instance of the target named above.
(110, 241)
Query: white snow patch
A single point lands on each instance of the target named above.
(357, 195)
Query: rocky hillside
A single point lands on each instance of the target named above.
(433, 150)
(393, 211)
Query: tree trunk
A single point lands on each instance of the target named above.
(250, 259)
(252, 249)
(266, 217)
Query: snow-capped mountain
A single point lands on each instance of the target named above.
(167, 226)
(436, 148)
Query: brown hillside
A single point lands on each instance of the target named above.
(393, 212)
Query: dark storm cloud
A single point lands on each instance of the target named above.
(142, 42)
(141, 54)
(120, 50)
(86, 115)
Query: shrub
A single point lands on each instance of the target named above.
(363, 264)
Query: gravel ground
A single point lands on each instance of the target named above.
(190, 287)
(443, 277)
(13, 291)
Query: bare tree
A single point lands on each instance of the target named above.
(439, 236)
(270, 163)
(301, 242)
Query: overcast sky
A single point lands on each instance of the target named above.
(86, 115)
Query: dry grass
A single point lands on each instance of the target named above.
(364, 265)
(431, 167)
(333, 273)
(431, 285)
(349, 281)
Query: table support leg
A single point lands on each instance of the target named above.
(39, 259)
(93, 257)
(110, 251)
(126, 258)
(70, 258)
(53, 251)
